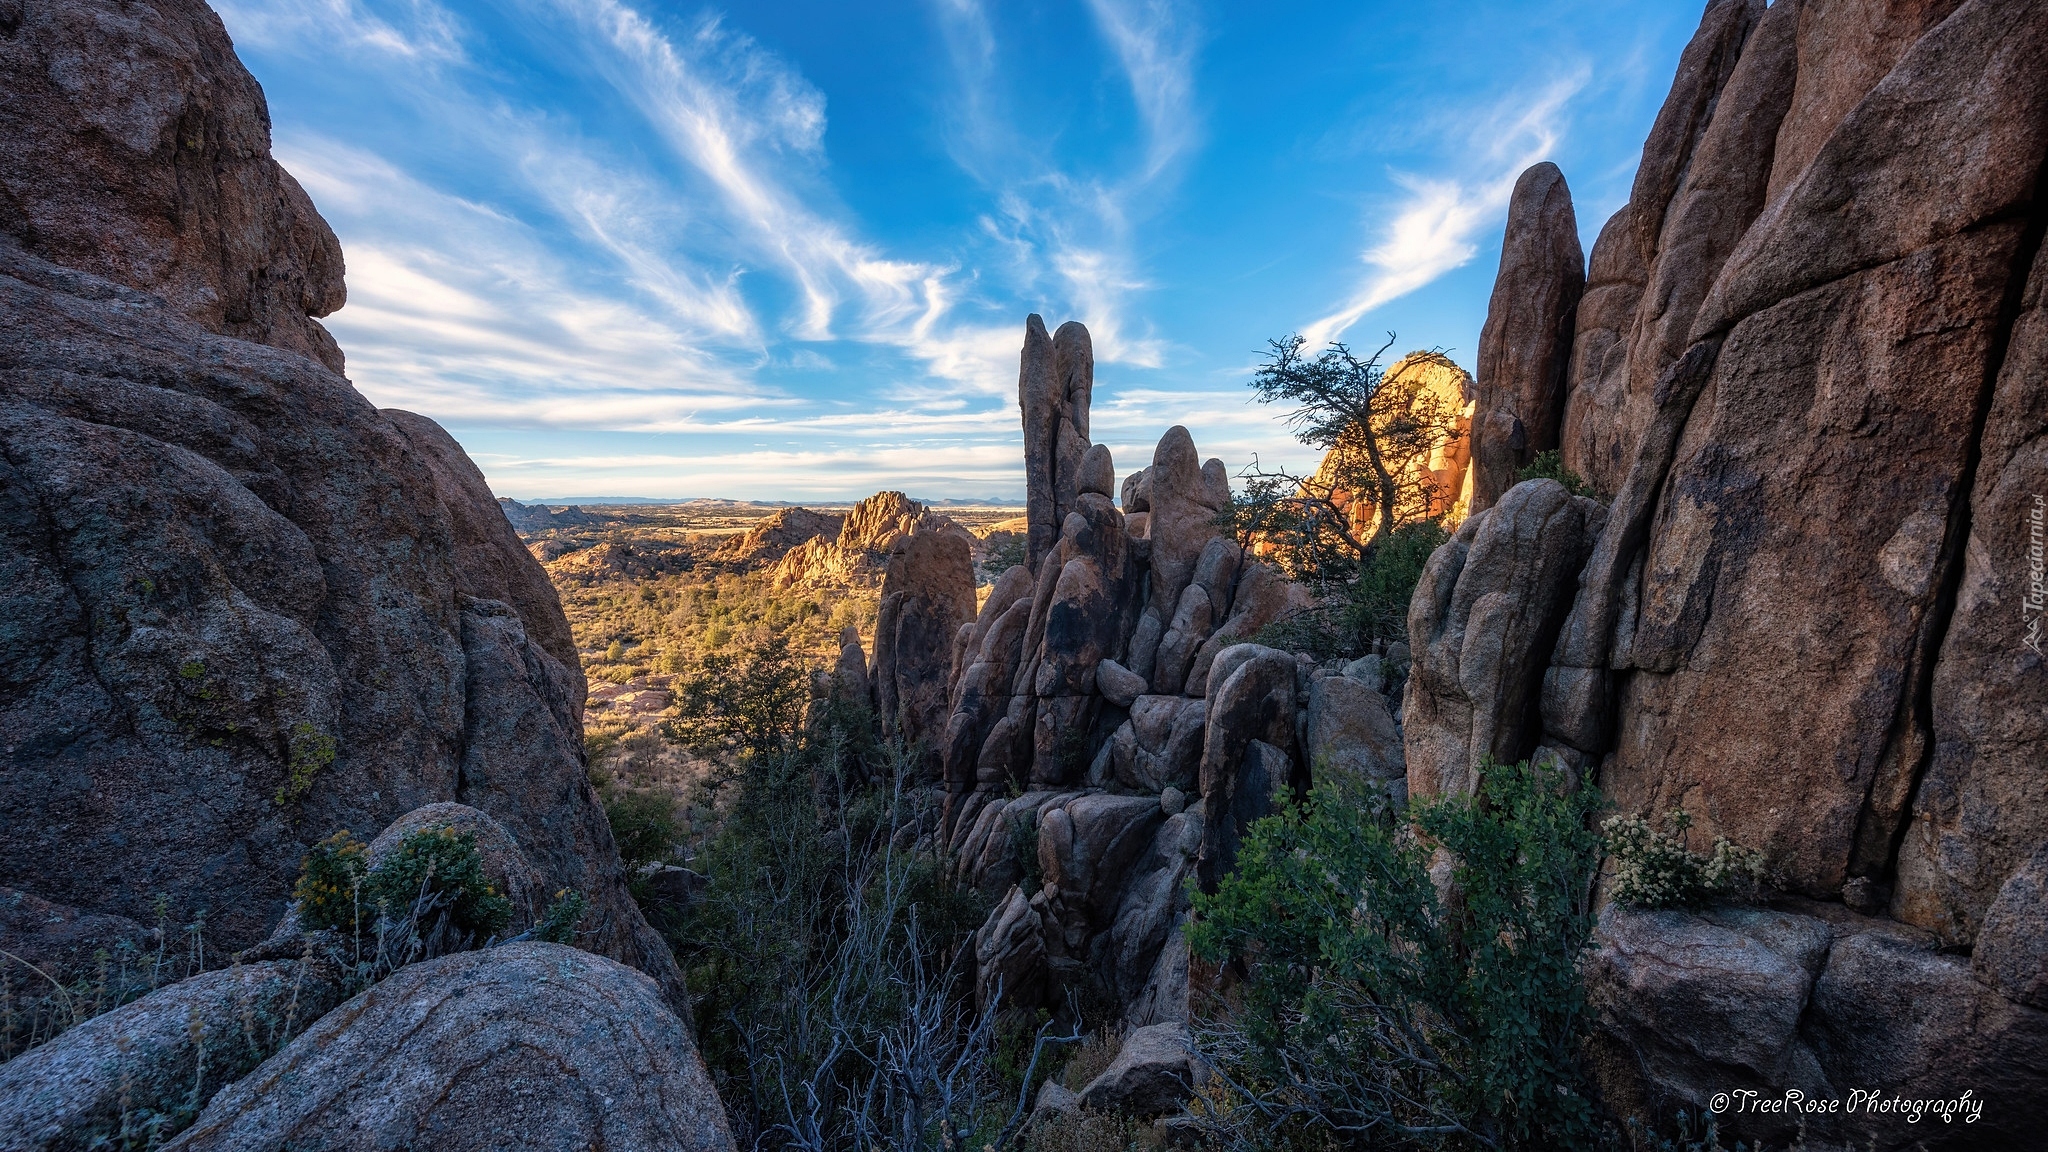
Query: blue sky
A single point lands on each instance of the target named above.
(784, 250)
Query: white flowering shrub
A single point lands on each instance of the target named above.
(1655, 869)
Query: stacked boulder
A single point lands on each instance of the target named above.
(1806, 383)
(1111, 726)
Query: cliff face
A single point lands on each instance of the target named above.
(240, 607)
(1807, 376)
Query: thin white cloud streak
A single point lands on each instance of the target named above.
(737, 114)
(431, 35)
(460, 310)
(1075, 229)
(1157, 49)
(1439, 221)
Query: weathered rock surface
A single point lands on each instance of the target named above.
(1009, 953)
(867, 536)
(1525, 345)
(522, 1046)
(1977, 816)
(1246, 757)
(1055, 383)
(225, 575)
(1483, 621)
(1350, 732)
(1689, 1005)
(1600, 430)
(63, 942)
(1154, 1073)
(170, 1050)
(768, 541)
(139, 152)
(1808, 372)
(2011, 952)
(1725, 671)
(927, 594)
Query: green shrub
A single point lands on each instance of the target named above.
(1376, 602)
(1372, 1004)
(558, 924)
(645, 823)
(330, 880)
(438, 872)
(1006, 550)
(1549, 465)
(1654, 869)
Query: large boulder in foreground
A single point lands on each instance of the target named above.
(143, 1063)
(523, 1046)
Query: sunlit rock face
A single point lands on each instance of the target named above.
(1437, 487)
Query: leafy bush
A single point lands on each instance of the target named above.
(1549, 465)
(1363, 601)
(558, 924)
(438, 875)
(1375, 1011)
(1376, 602)
(433, 883)
(330, 882)
(1006, 550)
(742, 706)
(645, 824)
(1656, 870)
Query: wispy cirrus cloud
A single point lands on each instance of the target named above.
(1436, 225)
(421, 31)
(1068, 229)
(457, 307)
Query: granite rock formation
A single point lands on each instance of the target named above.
(858, 548)
(521, 1046)
(1806, 380)
(139, 153)
(1526, 342)
(1111, 728)
(768, 541)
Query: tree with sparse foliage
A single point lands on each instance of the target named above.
(1358, 528)
(1378, 432)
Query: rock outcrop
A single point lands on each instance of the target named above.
(866, 538)
(139, 153)
(1113, 730)
(121, 1075)
(244, 607)
(1526, 342)
(1806, 379)
(927, 595)
(768, 541)
(521, 1046)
